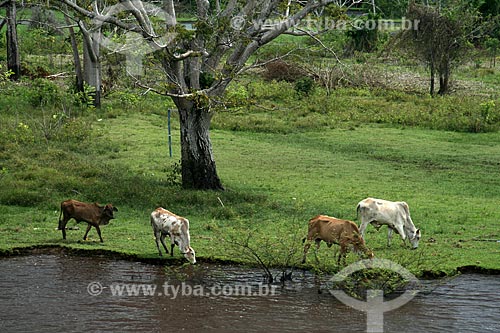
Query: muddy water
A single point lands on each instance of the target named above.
(57, 293)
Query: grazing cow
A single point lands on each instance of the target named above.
(396, 215)
(91, 213)
(165, 223)
(335, 231)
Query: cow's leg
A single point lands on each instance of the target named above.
(389, 236)
(62, 226)
(362, 227)
(172, 244)
(157, 241)
(343, 253)
(401, 231)
(162, 239)
(318, 243)
(99, 232)
(87, 231)
(306, 249)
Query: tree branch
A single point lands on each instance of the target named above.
(104, 18)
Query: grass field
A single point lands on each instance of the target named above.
(275, 182)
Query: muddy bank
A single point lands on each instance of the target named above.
(177, 261)
(110, 254)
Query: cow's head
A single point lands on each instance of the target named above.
(189, 254)
(107, 213)
(415, 238)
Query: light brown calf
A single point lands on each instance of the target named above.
(92, 213)
(335, 231)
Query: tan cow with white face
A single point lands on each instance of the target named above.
(332, 230)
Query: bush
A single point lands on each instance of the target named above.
(281, 70)
(21, 196)
(364, 34)
(304, 86)
(44, 93)
(237, 96)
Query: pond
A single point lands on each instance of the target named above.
(59, 293)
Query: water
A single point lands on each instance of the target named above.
(54, 293)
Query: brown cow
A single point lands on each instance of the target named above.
(91, 213)
(335, 231)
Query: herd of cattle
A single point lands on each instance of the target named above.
(331, 230)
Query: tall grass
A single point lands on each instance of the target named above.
(277, 107)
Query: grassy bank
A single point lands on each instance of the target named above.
(275, 182)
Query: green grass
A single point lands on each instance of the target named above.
(275, 183)
(283, 158)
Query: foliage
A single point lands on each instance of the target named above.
(490, 7)
(440, 39)
(364, 34)
(395, 9)
(236, 96)
(40, 42)
(367, 102)
(44, 93)
(4, 76)
(492, 45)
(85, 98)
(357, 283)
(304, 86)
(43, 19)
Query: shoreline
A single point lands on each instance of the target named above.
(169, 261)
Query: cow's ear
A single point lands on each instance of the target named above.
(115, 209)
(417, 232)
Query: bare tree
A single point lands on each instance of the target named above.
(200, 64)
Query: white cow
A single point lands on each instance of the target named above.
(396, 215)
(165, 223)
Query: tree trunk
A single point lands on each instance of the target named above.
(76, 57)
(444, 81)
(91, 62)
(197, 162)
(13, 58)
(433, 74)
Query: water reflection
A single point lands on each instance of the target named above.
(48, 293)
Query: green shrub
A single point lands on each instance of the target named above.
(44, 93)
(85, 99)
(236, 96)
(75, 130)
(21, 196)
(363, 36)
(304, 86)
